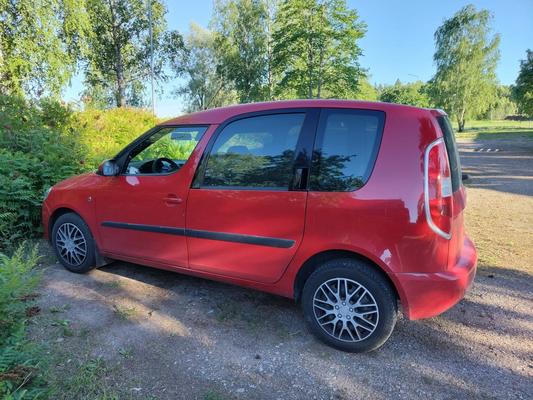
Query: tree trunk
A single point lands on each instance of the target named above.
(320, 69)
(120, 96)
(461, 120)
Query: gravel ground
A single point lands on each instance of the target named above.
(133, 332)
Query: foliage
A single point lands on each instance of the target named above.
(205, 87)
(466, 57)
(38, 147)
(20, 368)
(40, 43)
(241, 30)
(502, 104)
(103, 133)
(366, 91)
(315, 51)
(118, 57)
(523, 88)
(413, 94)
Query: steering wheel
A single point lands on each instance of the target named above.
(158, 165)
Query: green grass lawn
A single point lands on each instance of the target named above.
(496, 129)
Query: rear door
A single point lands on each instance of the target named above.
(246, 209)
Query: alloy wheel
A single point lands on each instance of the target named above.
(71, 244)
(345, 309)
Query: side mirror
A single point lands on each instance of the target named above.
(108, 168)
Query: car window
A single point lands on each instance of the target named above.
(165, 151)
(453, 153)
(345, 150)
(255, 152)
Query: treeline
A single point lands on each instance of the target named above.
(252, 50)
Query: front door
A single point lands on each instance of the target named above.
(141, 212)
(246, 209)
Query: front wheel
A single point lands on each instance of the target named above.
(73, 243)
(349, 305)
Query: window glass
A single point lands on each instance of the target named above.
(453, 153)
(255, 152)
(345, 149)
(165, 151)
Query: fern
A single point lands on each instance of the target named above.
(19, 364)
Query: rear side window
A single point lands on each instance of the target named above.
(346, 147)
(451, 149)
(255, 152)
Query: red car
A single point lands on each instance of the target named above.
(351, 208)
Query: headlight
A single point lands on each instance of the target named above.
(47, 192)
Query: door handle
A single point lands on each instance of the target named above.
(172, 199)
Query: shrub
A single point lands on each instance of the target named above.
(44, 142)
(38, 147)
(20, 371)
(105, 132)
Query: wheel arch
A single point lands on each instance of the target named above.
(313, 262)
(55, 215)
(58, 212)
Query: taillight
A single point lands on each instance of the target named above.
(438, 194)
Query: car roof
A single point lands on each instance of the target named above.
(219, 115)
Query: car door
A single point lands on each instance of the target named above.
(141, 212)
(246, 208)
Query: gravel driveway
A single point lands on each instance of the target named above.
(134, 332)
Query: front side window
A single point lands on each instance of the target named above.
(345, 149)
(255, 152)
(165, 151)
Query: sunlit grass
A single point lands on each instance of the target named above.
(497, 129)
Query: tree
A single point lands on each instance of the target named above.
(405, 93)
(315, 52)
(196, 63)
(118, 57)
(40, 45)
(366, 91)
(502, 104)
(466, 57)
(523, 88)
(241, 29)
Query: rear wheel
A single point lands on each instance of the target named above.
(73, 243)
(349, 306)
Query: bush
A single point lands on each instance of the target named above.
(105, 132)
(20, 372)
(44, 142)
(38, 147)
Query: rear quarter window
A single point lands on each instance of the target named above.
(346, 148)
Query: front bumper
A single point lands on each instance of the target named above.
(428, 294)
(45, 217)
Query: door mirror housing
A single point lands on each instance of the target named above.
(108, 168)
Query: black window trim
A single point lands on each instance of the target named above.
(122, 157)
(375, 151)
(303, 150)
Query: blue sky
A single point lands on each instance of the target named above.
(398, 43)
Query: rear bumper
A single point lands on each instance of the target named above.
(428, 294)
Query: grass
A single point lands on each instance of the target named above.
(497, 129)
(125, 313)
(214, 395)
(87, 382)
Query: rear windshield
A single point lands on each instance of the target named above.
(453, 153)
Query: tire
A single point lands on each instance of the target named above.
(361, 328)
(73, 243)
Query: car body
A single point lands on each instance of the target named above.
(264, 210)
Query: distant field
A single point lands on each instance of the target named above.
(492, 129)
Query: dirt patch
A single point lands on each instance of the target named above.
(142, 333)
